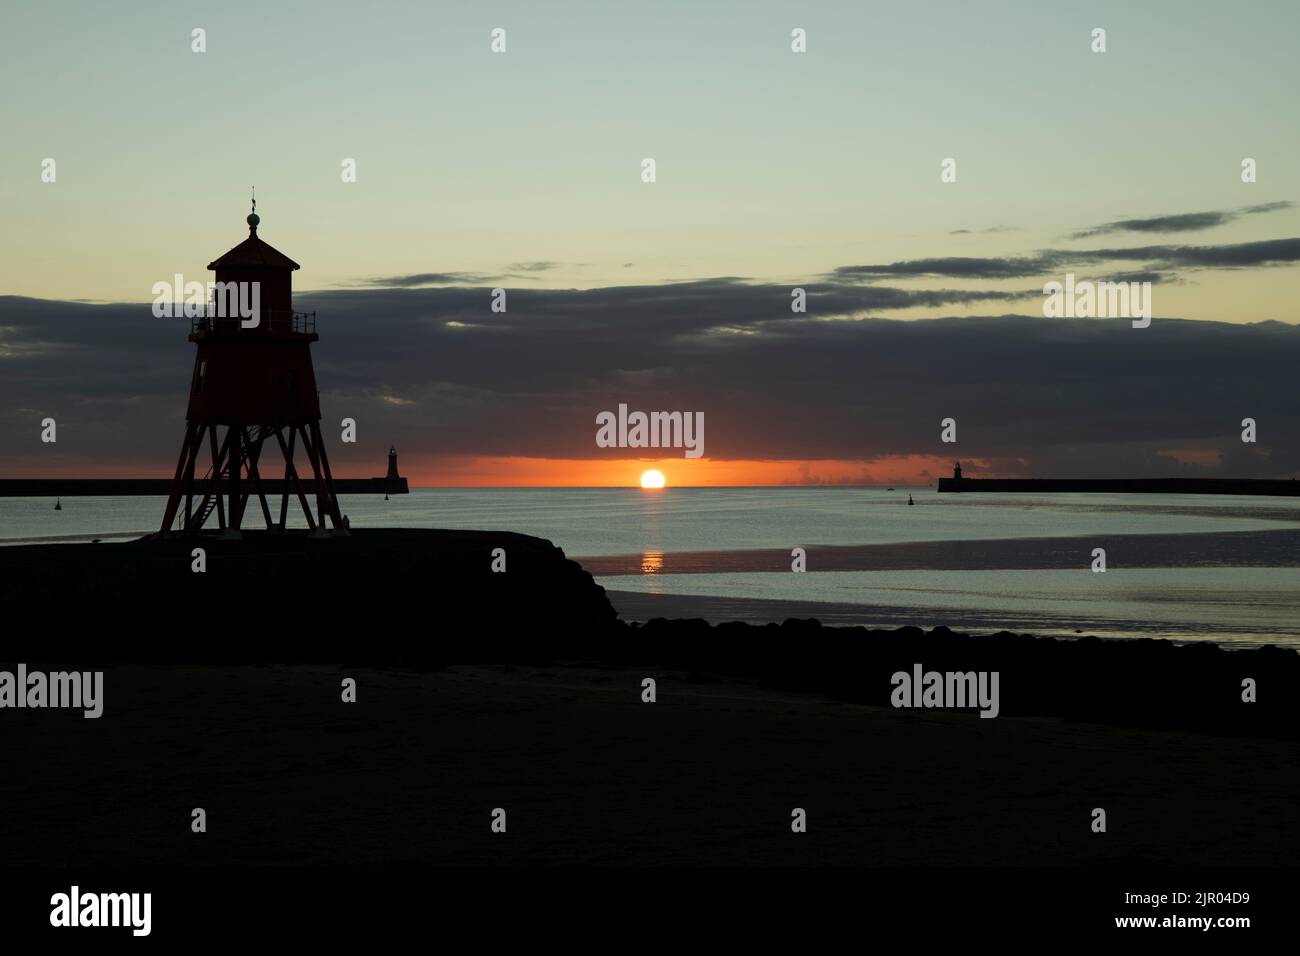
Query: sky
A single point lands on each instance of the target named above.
(522, 170)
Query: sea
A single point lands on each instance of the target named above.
(1176, 567)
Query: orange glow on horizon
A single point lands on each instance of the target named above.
(476, 472)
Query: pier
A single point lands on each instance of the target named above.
(390, 484)
(143, 487)
(1124, 486)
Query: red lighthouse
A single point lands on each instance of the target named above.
(253, 388)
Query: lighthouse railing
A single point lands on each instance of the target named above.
(272, 320)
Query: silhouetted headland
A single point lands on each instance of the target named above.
(395, 589)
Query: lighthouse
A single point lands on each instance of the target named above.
(253, 391)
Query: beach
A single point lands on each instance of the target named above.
(525, 691)
(588, 773)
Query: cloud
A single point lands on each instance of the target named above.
(1046, 396)
(516, 270)
(1141, 276)
(1183, 222)
(951, 267)
(1269, 252)
(990, 229)
(419, 279)
(1162, 259)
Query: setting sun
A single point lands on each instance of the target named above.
(652, 478)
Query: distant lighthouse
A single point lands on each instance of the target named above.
(253, 387)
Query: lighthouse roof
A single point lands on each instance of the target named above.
(253, 253)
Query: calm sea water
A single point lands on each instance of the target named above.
(1232, 600)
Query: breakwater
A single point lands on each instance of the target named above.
(1125, 486)
(105, 487)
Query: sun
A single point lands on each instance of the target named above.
(652, 478)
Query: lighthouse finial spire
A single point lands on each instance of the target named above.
(253, 218)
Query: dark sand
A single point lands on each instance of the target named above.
(590, 774)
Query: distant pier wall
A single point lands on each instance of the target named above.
(109, 487)
(1125, 486)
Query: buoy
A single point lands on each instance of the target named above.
(910, 501)
(58, 505)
